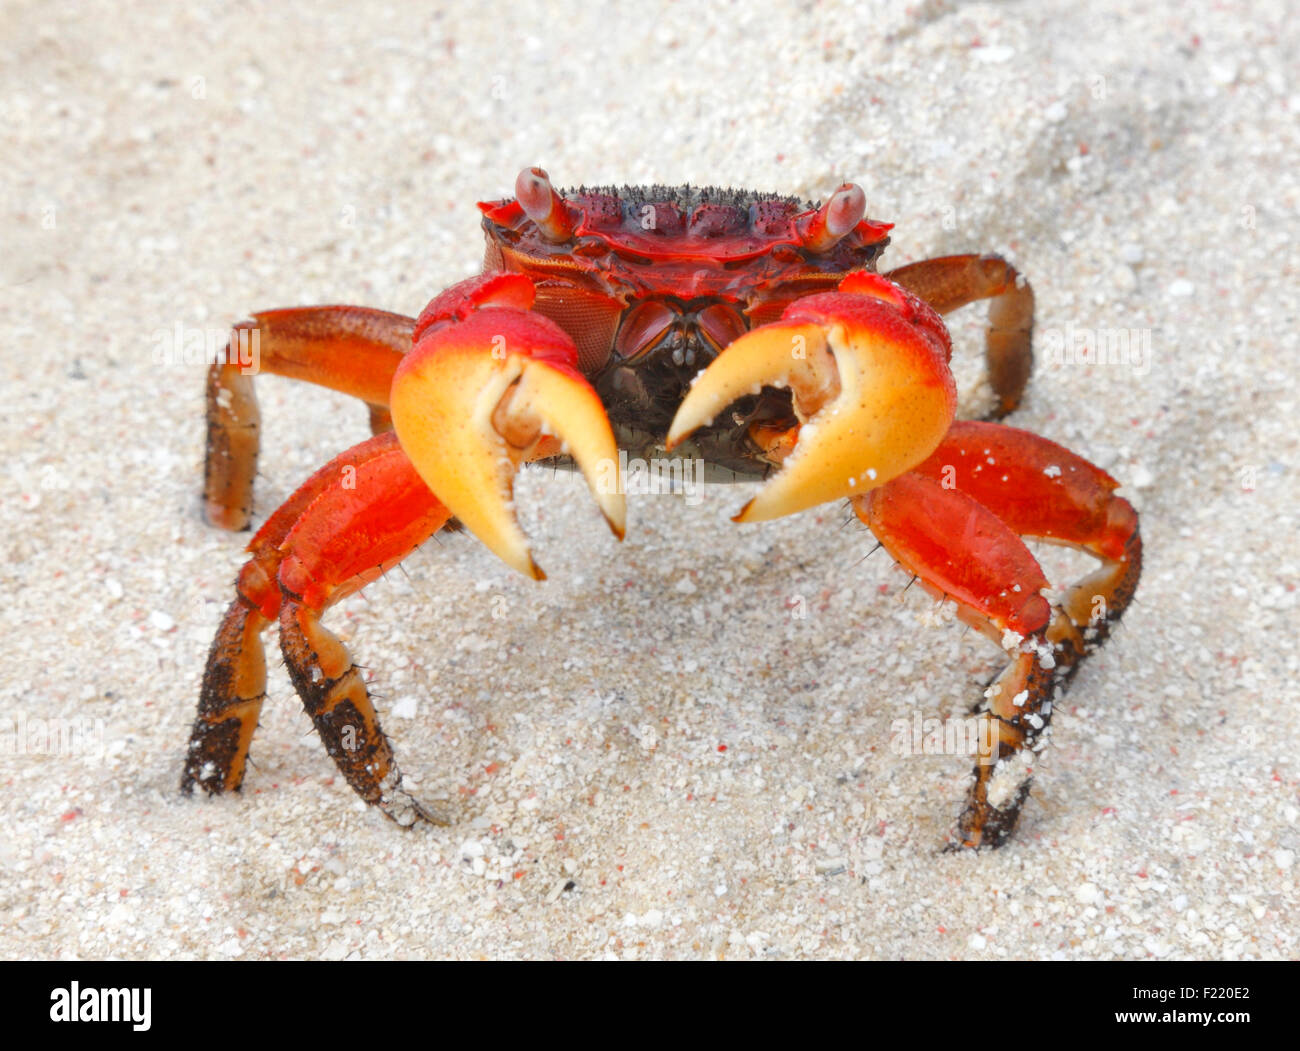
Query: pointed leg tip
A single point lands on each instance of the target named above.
(1003, 408)
(405, 811)
(233, 519)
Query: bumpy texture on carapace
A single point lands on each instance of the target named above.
(655, 281)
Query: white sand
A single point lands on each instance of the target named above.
(166, 167)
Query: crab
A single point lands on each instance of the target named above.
(748, 331)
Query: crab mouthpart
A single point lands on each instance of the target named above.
(474, 400)
(872, 392)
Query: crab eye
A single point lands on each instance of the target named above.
(545, 207)
(825, 228)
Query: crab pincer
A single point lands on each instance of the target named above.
(488, 385)
(867, 366)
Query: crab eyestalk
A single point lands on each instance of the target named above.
(540, 202)
(823, 229)
(485, 389)
(871, 389)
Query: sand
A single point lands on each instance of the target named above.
(652, 754)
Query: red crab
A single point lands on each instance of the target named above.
(633, 319)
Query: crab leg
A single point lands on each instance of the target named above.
(956, 523)
(949, 282)
(352, 520)
(354, 350)
(234, 683)
(340, 544)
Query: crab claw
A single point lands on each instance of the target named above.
(868, 369)
(488, 385)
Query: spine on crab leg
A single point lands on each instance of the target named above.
(352, 520)
(354, 350)
(949, 282)
(988, 486)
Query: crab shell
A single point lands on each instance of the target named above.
(595, 252)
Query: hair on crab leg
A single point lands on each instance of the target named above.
(868, 555)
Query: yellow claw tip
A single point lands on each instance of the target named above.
(511, 546)
(613, 508)
(743, 514)
(679, 430)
